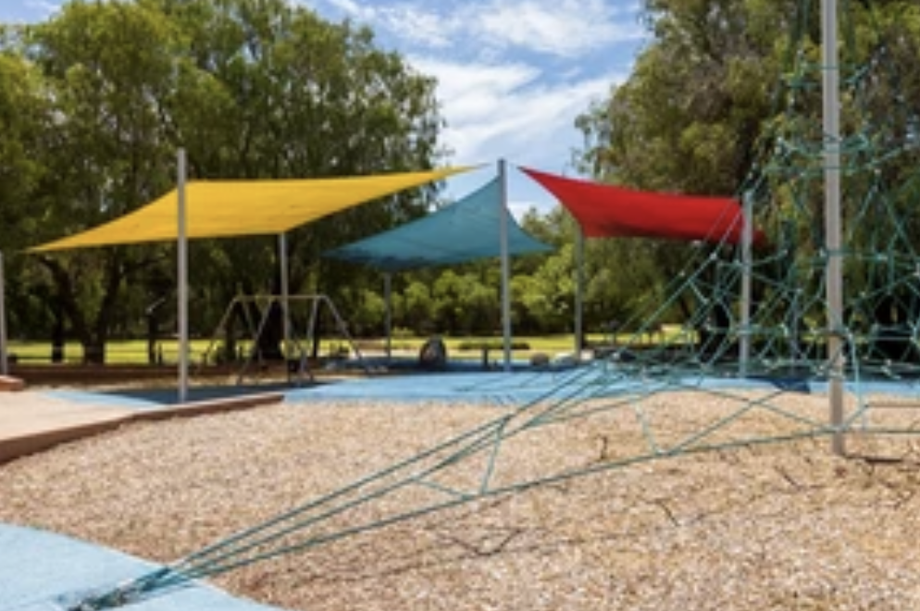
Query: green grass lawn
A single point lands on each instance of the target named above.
(135, 351)
(117, 351)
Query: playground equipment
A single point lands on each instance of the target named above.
(794, 333)
(299, 317)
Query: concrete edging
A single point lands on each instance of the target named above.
(16, 447)
(11, 384)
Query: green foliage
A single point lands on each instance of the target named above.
(491, 344)
(402, 333)
(95, 101)
(368, 315)
(689, 119)
(727, 99)
(22, 119)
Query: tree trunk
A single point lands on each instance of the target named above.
(94, 351)
(269, 340)
(317, 332)
(890, 316)
(229, 351)
(92, 338)
(153, 331)
(57, 335)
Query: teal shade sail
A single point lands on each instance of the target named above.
(466, 230)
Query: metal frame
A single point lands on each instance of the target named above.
(296, 345)
(4, 361)
(834, 272)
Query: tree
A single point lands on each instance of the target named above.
(690, 116)
(251, 89)
(719, 103)
(418, 308)
(24, 116)
(299, 97)
(106, 71)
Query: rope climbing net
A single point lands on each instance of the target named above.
(788, 326)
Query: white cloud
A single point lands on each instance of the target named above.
(564, 28)
(354, 9)
(558, 27)
(409, 22)
(472, 90)
(520, 207)
(45, 7)
(512, 75)
(425, 28)
(507, 111)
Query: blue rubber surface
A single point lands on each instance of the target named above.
(153, 398)
(490, 387)
(518, 387)
(494, 388)
(42, 571)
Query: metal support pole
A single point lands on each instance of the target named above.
(182, 265)
(285, 295)
(506, 266)
(579, 291)
(388, 321)
(831, 112)
(4, 351)
(747, 237)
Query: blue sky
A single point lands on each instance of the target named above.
(513, 75)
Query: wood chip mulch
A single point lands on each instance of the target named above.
(778, 526)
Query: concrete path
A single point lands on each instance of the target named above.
(31, 421)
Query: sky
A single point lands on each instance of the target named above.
(513, 75)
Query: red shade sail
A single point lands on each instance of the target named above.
(609, 211)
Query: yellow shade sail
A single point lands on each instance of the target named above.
(245, 207)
